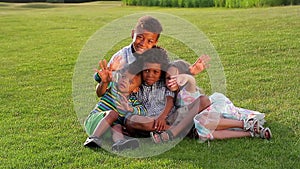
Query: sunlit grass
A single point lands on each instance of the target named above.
(259, 49)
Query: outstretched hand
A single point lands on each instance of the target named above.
(104, 72)
(200, 64)
(124, 104)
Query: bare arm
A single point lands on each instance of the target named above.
(106, 76)
(101, 88)
(160, 122)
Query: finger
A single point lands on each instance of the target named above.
(155, 124)
(172, 80)
(160, 127)
(206, 58)
(110, 76)
(104, 64)
(123, 99)
(117, 58)
(96, 70)
(101, 64)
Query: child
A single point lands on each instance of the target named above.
(153, 93)
(115, 105)
(207, 120)
(145, 35)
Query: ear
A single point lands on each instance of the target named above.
(132, 33)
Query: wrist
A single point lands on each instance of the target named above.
(190, 71)
(97, 77)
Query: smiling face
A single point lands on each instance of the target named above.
(144, 41)
(129, 83)
(171, 72)
(151, 73)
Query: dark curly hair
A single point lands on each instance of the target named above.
(155, 55)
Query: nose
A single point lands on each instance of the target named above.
(150, 74)
(142, 42)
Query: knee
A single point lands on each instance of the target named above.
(111, 116)
(204, 102)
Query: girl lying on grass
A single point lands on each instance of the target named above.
(220, 120)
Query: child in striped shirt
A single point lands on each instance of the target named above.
(115, 105)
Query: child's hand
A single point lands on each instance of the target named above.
(160, 124)
(200, 65)
(117, 63)
(105, 72)
(124, 104)
(180, 80)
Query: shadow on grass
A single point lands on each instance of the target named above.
(4, 4)
(38, 6)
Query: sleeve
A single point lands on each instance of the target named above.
(169, 93)
(138, 108)
(115, 55)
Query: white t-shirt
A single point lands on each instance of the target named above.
(126, 53)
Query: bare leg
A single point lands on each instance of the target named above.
(105, 123)
(226, 134)
(140, 123)
(225, 124)
(136, 122)
(117, 133)
(194, 108)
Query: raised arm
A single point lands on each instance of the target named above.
(200, 64)
(106, 76)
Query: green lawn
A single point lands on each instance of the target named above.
(40, 43)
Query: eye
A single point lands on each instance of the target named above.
(150, 41)
(139, 37)
(156, 72)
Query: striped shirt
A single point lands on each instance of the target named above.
(111, 99)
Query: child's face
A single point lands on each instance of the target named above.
(171, 72)
(129, 83)
(144, 41)
(151, 73)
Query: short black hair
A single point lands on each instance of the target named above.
(156, 55)
(149, 23)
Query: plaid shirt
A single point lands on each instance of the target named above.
(154, 97)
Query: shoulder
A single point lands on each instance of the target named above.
(124, 50)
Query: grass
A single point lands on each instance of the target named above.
(259, 49)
